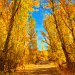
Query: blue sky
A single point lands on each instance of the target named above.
(39, 17)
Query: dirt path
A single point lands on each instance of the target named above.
(46, 69)
(40, 70)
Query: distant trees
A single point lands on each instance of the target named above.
(33, 40)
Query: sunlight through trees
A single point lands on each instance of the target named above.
(19, 37)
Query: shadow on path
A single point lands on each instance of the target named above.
(40, 71)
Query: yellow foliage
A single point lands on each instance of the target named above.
(36, 3)
(0, 5)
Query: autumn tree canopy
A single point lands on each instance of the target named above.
(19, 35)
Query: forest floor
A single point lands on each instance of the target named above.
(43, 69)
(40, 69)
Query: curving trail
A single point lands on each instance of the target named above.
(40, 70)
(43, 69)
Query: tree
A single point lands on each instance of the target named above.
(58, 33)
(14, 30)
(33, 40)
(14, 10)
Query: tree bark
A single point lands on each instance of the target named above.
(61, 38)
(11, 23)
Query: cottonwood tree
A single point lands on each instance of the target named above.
(58, 30)
(14, 27)
(33, 40)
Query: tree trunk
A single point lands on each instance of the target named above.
(61, 38)
(11, 23)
